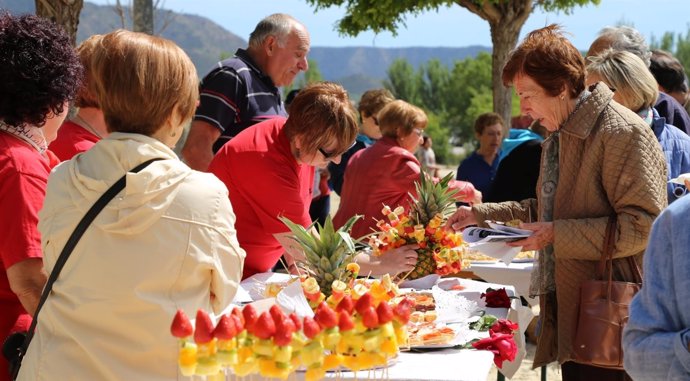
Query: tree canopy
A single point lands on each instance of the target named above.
(505, 18)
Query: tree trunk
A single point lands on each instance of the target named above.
(62, 12)
(504, 40)
(142, 15)
(506, 19)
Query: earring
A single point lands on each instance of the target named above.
(173, 134)
(562, 96)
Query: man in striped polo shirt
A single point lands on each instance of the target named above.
(243, 90)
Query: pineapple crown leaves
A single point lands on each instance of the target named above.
(328, 251)
(432, 197)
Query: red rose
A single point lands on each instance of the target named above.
(501, 344)
(503, 326)
(496, 298)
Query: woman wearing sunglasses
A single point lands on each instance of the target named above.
(269, 168)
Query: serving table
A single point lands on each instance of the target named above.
(432, 364)
(516, 274)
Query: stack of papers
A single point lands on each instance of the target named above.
(492, 241)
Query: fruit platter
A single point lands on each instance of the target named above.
(324, 319)
(361, 333)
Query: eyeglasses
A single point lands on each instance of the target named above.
(417, 131)
(329, 155)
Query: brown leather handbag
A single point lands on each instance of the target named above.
(603, 310)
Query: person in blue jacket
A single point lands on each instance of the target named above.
(656, 340)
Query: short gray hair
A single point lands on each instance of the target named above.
(628, 39)
(627, 74)
(278, 25)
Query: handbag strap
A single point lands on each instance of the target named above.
(606, 260)
(74, 239)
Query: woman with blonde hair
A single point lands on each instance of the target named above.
(636, 89)
(385, 173)
(166, 242)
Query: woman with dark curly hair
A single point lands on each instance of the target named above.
(40, 75)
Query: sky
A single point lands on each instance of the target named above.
(450, 27)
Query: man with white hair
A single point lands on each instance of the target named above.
(244, 90)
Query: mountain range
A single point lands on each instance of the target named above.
(356, 68)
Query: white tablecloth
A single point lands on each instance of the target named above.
(445, 365)
(515, 274)
(441, 365)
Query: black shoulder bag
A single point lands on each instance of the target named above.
(15, 346)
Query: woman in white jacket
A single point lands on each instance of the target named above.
(167, 241)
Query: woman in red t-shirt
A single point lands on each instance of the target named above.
(87, 127)
(35, 94)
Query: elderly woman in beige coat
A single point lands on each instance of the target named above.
(166, 242)
(600, 160)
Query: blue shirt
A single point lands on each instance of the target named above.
(475, 170)
(676, 147)
(655, 340)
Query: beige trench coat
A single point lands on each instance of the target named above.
(609, 162)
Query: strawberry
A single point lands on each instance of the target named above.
(346, 304)
(403, 310)
(239, 326)
(345, 322)
(237, 312)
(181, 326)
(225, 329)
(250, 316)
(284, 329)
(282, 339)
(264, 327)
(276, 312)
(369, 318)
(384, 312)
(295, 319)
(364, 302)
(325, 316)
(310, 327)
(203, 332)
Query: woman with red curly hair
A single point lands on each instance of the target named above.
(600, 161)
(40, 75)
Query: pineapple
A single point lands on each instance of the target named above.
(327, 253)
(432, 199)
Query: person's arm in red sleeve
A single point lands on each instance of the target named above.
(466, 192)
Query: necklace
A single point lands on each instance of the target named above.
(87, 126)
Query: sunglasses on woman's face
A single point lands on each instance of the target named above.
(329, 155)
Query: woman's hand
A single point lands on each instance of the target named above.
(461, 218)
(542, 236)
(399, 260)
